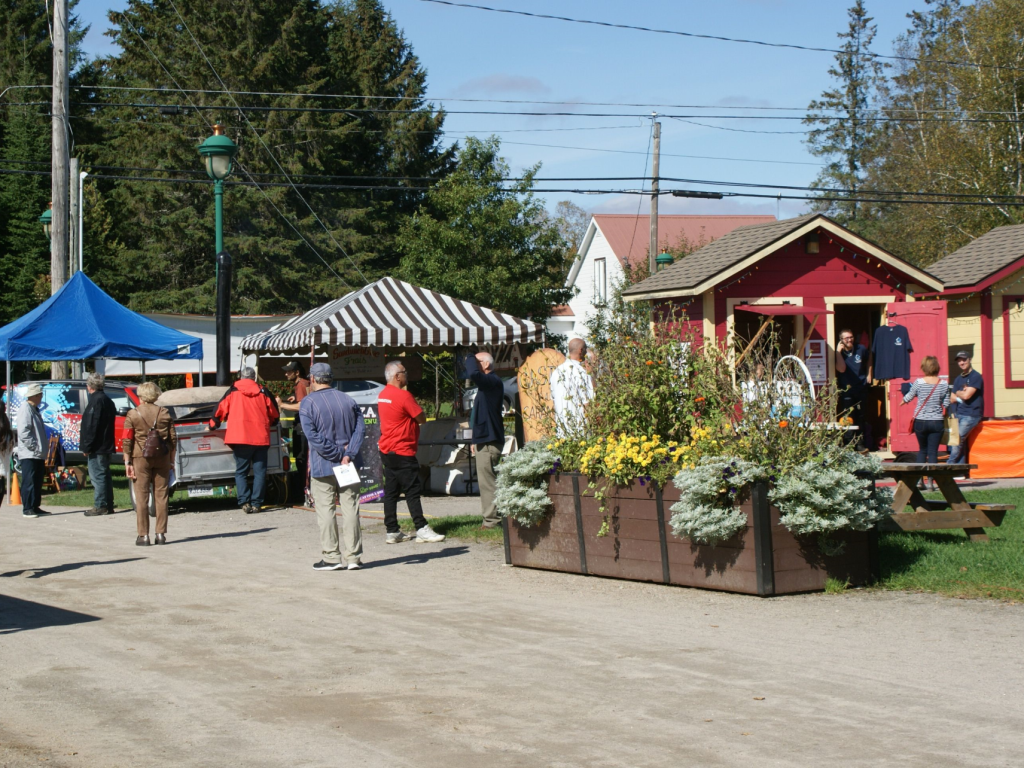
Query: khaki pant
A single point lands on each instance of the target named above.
(323, 489)
(157, 474)
(487, 457)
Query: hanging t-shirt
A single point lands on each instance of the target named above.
(974, 405)
(891, 348)
(855, 378)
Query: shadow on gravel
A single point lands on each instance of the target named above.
(38, 573)
(229, 535)
(22, 615)
(419, 558)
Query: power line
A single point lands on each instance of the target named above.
(736, 130)
(722, 38)
(663, 154)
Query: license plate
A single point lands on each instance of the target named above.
(200, 490)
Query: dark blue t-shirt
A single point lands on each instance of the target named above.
(486, 417)
(891, 348)
(975, 405)
(855, 378)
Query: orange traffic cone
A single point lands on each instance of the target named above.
(15, 490)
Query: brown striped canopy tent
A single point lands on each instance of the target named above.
(391, 313)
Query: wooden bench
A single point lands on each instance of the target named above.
(952, 511)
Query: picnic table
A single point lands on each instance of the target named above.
(952, 511)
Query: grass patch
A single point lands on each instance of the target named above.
(459, 527)
(947, 562)
(835, 586)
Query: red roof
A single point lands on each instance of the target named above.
(629, 236)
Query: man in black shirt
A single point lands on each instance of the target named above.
(488, 429)
(98, 444)
(852, 377)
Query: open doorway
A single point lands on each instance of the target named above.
(862, 320)
(782, 330)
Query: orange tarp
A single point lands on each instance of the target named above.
(997, 447)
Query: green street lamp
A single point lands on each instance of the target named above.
(47, 221)
(218, 152)
(663, 260)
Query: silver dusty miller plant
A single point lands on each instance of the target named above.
(521, 491)
(831, 493)
(709, 509)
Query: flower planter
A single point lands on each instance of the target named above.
(762, 559)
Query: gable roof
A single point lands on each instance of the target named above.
(981, 258)
(735, 251)
(629, 235)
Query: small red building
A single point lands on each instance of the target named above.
(837, 278)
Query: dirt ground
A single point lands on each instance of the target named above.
(225, 648)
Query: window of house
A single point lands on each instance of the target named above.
(600, 280)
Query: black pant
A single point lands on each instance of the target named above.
(929, 432)
(401, 474)
(32, 471)
(852, 405)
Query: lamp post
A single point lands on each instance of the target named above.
(663, 260)
(47, 221)
(218, 152)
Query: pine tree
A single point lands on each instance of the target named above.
(847, 130)
(158, 250)
(486, 240)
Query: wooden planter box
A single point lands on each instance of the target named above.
(762, 559)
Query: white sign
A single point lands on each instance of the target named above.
(816, 360)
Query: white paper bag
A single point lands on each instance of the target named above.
(347, 475)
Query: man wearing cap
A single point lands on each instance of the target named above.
(32, 446)
(968, 398)
(334, 428)
(250, 412)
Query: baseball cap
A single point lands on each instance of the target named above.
(32, 389)
(292, 366)
(320, 370)
(963, 355)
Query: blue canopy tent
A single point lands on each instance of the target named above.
(81, 321)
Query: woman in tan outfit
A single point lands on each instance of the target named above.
(143, 471)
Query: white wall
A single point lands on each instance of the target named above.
(204, 327)
(581, 277)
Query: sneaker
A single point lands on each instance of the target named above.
(254, 508)
(397, 538)
(354, 566)
(426, 534)
(246, 508)
(41, 513)
(325, 566)
(30, 513)
(95, 511)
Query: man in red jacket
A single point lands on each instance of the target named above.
(250, 412)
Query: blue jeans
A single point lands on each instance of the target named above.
(958, 453)
(99, 474)
(929, 432)
(246, 457)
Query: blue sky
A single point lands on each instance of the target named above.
(472, 54)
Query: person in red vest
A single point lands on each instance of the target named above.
(400, 418)
(250, 412)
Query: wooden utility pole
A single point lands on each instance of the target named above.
(60, 172)
(73, 214)
(655, 188)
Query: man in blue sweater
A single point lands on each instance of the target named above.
(334, 427)
(488, 429)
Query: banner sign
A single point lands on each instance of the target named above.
(371, 473)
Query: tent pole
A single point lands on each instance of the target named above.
(201, 371)
(142, 364)
(7, 468)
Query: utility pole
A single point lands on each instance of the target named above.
(60, 172)
(74, 212)
(655, 187)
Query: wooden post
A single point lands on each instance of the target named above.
(655, 189)
(60, 149)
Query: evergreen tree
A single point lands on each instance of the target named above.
(486, 240)
(158, 250)
(846, 130)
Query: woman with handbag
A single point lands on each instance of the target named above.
(149, 446)
(932, 395)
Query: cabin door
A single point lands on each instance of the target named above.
(925, 322)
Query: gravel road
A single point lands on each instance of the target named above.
(225, 648)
